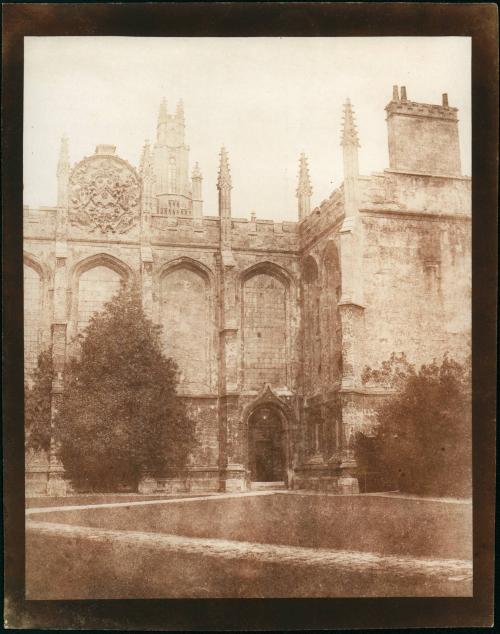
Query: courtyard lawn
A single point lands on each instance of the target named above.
(264, 545)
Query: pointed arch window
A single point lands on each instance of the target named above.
(32, 317)
(264, 313)
(185, 317)
(96, 286)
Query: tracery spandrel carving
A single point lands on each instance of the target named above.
(104, 195)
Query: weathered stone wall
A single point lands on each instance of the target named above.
(425, 195)
(258, 313)
(205, 412)
(180, 283)
(417, 274)
(321, 328)
(321, 339)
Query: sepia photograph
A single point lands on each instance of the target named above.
(249, 275)
(247, 317)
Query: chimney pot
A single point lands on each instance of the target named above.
(403, 93)
(445, 99)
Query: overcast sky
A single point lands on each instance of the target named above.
(265, 99)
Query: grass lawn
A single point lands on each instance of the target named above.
(77, 569)
(105, 559)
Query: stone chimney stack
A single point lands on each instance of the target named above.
(423, 138)
(350, 145)
(63, 169)
(304, 189)
(196, 180)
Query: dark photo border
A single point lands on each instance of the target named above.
(478, 21)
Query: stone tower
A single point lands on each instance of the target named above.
(423, 138)
(173, 190)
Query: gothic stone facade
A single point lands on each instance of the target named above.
(271, 323)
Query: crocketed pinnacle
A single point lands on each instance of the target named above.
(179, 112)
(349, 132)
(224, 178)
(146, 158)
(304, 185)
(196, 171)
(63, 163)
(163, 115)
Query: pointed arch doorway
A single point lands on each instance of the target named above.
(267, 445)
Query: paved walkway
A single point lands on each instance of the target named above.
(452, 569)
(218, 496)
(419, 498)
(50, 509)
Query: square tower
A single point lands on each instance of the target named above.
(423, 138)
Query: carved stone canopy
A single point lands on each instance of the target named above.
(104, 194)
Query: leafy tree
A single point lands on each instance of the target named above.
(120, 415)
(422, 437)
(37, 404)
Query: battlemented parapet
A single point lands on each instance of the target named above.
(322, 218)
(39, 222)
(257, 234)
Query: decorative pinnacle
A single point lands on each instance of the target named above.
(224, 178)
(349, 132)
(146, 157)
(163, 114)
(63, 162)
(196, 171)
(179, 112)
(304, 185)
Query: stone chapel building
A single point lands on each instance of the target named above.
(271, 323)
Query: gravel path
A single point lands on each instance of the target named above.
(154, 502)
(452, 569)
